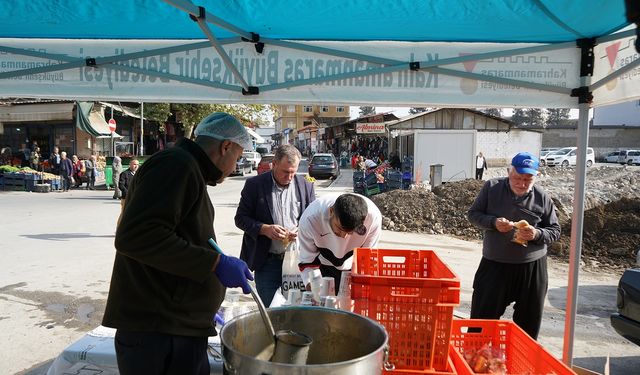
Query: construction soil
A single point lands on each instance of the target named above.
(611, 235)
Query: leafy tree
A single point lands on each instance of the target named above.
(497, 112)
(367, 110)
(519, 117)
(191, 113)
(534, 117)
(556, 116)
(414, 110)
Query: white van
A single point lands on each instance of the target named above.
(627, 156)
(253, 157)
(567, 156)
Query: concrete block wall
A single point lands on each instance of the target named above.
(602, 139)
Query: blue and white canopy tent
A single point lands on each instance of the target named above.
(464, 53)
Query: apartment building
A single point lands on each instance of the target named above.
(304, 125)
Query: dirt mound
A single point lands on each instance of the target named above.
(611, 236)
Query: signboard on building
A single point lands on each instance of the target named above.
(370, 128)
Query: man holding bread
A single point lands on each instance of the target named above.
(519, 222)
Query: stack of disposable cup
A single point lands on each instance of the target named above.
(344, 294)
(328, 287)
(295, 297)
(316, 285)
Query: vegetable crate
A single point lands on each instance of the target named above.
(412, 293)
(523, 355)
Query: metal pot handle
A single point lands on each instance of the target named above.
(216, 353)
(388, 366)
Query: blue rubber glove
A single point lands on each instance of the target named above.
(233, 272)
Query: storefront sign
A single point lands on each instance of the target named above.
(370, 128)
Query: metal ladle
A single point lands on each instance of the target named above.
(288, 346)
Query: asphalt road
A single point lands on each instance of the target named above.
(57, 255)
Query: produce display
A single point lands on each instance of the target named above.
(27, 170)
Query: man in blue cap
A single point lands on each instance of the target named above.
(167, 282)
(519, 222)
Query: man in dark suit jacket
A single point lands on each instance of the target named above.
(269, 210)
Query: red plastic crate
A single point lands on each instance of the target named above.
(454, 357)
(412, 293)
(523, 355)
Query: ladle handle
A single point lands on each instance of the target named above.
(263, 311)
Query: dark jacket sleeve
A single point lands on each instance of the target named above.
(246, 213)
(123, 183)
(310, 192)
(477, 214)
(549, 225)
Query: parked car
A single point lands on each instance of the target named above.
(628, 157)
(253, 157)
(243, 167)
(265, 163)
(627, 320)
(612, 157)
(544, 152)
(567, 156)
(324, 165)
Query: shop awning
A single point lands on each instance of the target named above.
(90, 119)
(122, 109)
(36, 112)
(255, 135)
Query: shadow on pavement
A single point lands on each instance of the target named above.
(64, 236)
(605, 295)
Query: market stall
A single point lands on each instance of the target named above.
(545, 54)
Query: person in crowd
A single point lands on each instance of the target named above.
(5, 156)
(124, 181)
(168, 282)
(330, 228)
(90, 168)
(354, 160)
(369, 164)
(78, 171)
(395, 160)
(269, 210)
(54, 161)
(514, 264)
(26, 154)
(360, 166)
(34, 159)
(116, 168)
(66, 171)
(481, 165)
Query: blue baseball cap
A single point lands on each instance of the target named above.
(524, 162)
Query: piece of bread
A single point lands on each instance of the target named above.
(521, 224)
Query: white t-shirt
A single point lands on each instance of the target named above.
(479, 162)
(316, 239)
(370, 163)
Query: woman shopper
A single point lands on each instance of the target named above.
(116, 167)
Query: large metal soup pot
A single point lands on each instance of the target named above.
(343, 342)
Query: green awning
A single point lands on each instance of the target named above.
(90, 119)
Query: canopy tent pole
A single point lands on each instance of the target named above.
(141, 128)
(577, 216)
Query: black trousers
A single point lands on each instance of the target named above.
(479, 173)
(156, 353)
(496, 285)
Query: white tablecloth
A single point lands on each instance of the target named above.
(95, 354)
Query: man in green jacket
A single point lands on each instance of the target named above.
(167, 282)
